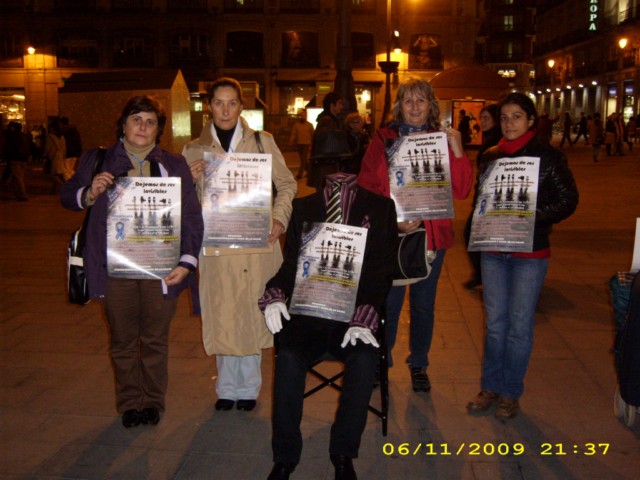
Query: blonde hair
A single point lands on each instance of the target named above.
(421, 88)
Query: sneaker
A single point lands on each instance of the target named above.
(420, 380)
(507, 408)
(483, 401)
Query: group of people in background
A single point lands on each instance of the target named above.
(57, 149)
(612, 132)
(244, 298)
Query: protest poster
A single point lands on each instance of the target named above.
(236, 203)
(420, 177)
(328, 271)
(143, 227)
(505, 212)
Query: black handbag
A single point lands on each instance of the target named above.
(413, 259)
(77, 288)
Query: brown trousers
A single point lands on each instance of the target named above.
(139, 318)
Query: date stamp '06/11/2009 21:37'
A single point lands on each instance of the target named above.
(491, 449)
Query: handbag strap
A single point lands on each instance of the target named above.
(259, 141)
(101, 153)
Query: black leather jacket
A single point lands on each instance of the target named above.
(557, 192)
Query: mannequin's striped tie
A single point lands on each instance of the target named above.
(334, 206)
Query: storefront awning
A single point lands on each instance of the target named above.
(469, 82)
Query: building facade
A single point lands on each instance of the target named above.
(587, 56)
(506, 41)
(284, 50)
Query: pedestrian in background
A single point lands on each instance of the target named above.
(328, 127)
(358, 139)
(464, 127)
(610, 134)
(55, 151)
(491, 135)
(582, 129)
(630, 132)
(73, 142)
(545, 127)
(596, 134)
(302, 137)
(566, 130)
(16, 151)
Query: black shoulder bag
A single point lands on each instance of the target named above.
(77, 287)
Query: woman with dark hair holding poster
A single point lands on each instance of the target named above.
(512, 279)
(139, 312)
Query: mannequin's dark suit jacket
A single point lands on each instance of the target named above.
(368, 208)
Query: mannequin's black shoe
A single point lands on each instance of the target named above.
(246, 405)
(131, 418)
(420, 380)
(149, 416)
(224, 404)
(344, 468)
(281, 471)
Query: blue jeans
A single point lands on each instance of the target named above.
(510, 288)
(422, 296)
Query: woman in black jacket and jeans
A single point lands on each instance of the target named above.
(512, 280)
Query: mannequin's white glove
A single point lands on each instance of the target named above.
(355, 333)
(273, 314)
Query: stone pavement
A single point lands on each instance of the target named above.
(57, 413)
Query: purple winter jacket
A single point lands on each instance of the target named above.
(73, 193)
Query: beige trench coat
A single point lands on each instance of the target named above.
(231, 285)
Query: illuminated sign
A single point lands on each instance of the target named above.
(593, 15)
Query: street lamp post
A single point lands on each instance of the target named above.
(344, 60)
(551, 63)
(389, 68)
(622, 43)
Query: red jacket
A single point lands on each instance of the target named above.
(374, 176)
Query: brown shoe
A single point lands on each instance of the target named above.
(507, 408)
(483, 401)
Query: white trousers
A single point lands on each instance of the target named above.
(239, 378)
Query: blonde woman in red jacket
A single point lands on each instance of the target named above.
(416, 111)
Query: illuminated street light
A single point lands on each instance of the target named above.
(622, 43)
(31, 50)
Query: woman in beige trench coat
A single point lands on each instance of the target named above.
(233, 327)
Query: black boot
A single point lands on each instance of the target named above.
(344, 467)
(281, 471)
